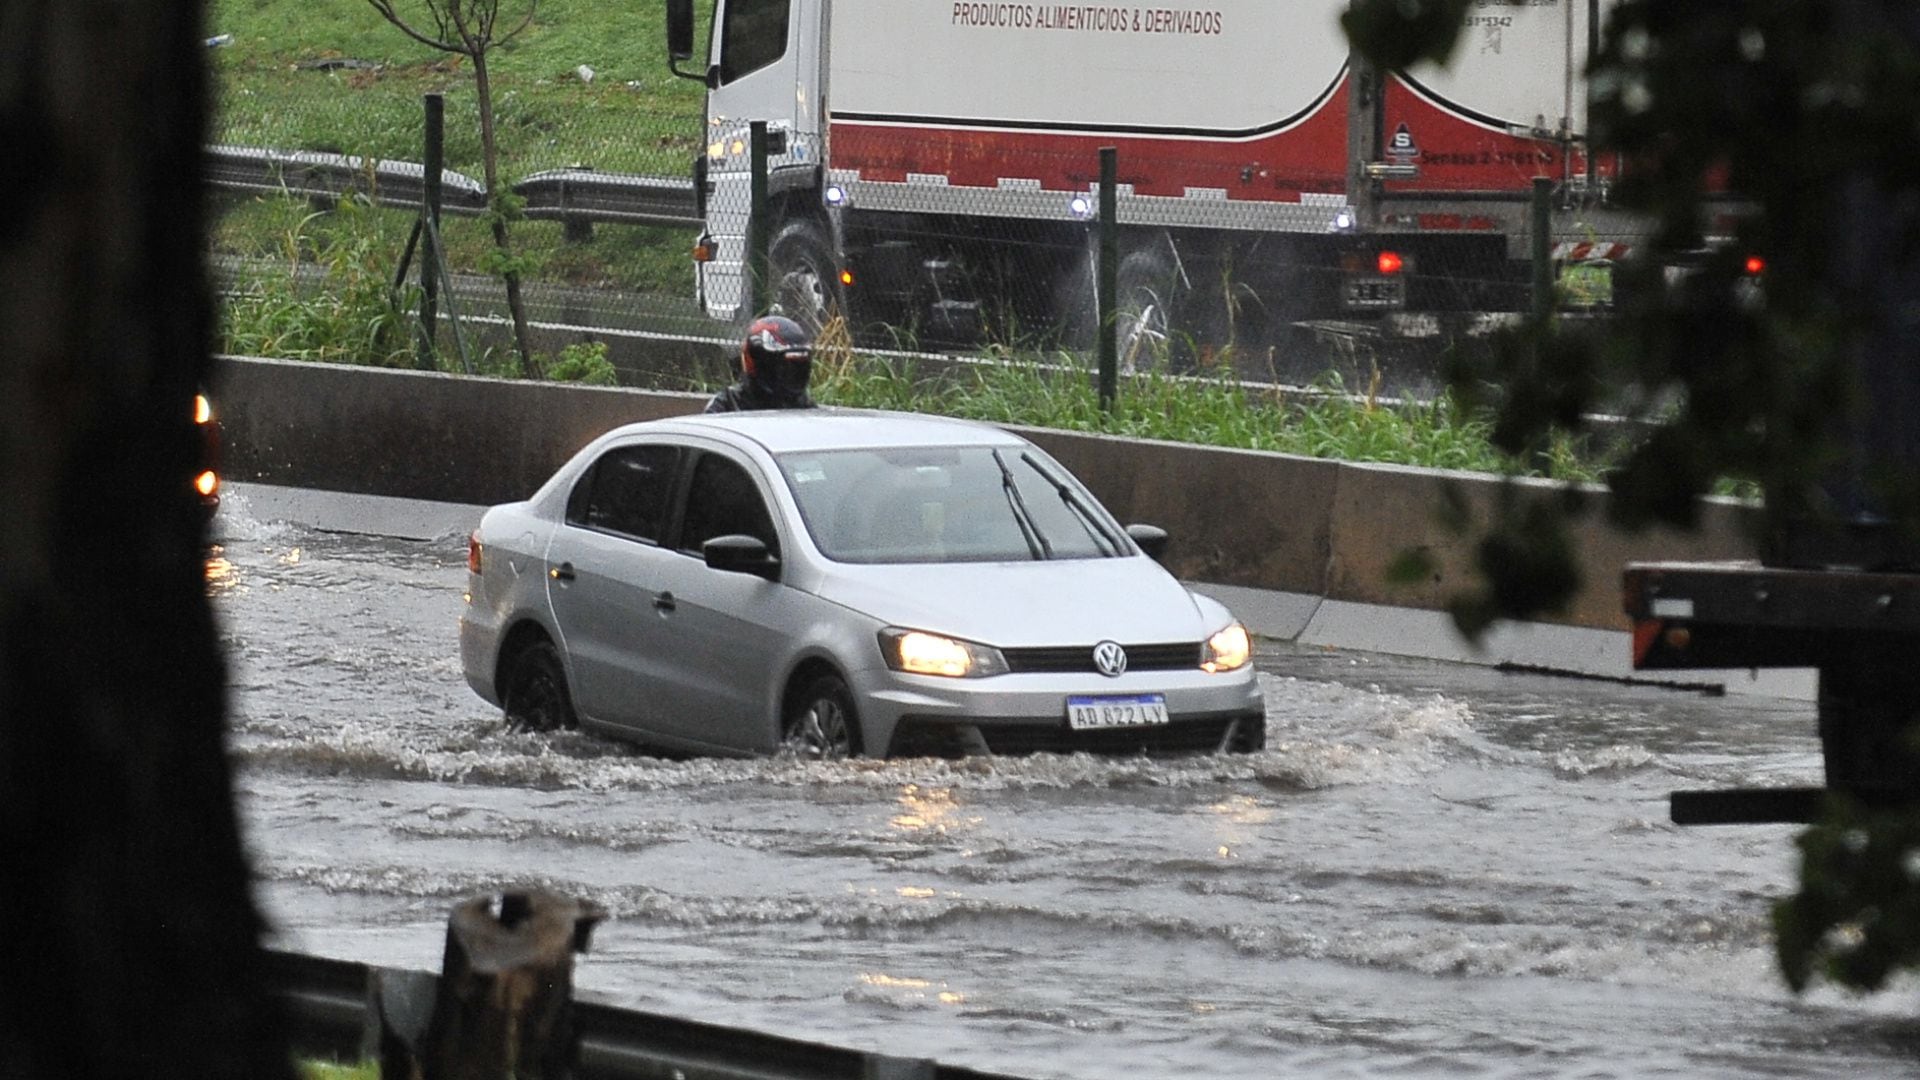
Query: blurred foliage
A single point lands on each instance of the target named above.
(1856, 918)
(584, 362)
(329, 1070)
(1805, 108)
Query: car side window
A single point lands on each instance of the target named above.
(722, 500)
(628, 491)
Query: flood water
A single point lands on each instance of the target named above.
(1432, 871)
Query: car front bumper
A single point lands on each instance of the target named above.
(912, 715)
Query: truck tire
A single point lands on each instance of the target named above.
(805, 280)
(1148, 288)
(1150, 292)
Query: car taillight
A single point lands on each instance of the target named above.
(1390, 262)
(206, 482)
(473, 552)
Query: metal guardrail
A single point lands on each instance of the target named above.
(572, 195)
(328, 1011)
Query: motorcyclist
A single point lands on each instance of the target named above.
(776, 362)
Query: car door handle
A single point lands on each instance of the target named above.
(563, 572)
(664, 601)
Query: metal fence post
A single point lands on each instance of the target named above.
(1109, 277)
(1542, 247)
(432, 162)
(756, 293)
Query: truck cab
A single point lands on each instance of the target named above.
(761, 65)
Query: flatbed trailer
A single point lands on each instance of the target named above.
(1861, 632)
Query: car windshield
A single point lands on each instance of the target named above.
(945, 504)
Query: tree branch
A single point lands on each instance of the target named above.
(387, 12)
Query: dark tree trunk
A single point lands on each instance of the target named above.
(132, 945)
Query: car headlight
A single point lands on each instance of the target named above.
(921, 653)
(1227, 650)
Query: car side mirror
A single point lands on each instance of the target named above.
(1151, 539)
(740, 554)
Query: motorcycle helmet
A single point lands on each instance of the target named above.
(777, 357)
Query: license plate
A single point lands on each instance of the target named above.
(1376, 292)
(1116, 711)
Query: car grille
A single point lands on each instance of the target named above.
(1182, 656)
(916, 737)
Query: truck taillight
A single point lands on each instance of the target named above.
(1645, 633)
(1390, 262)
(473, 552)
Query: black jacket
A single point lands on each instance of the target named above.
(744, 396)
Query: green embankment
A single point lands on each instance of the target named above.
(333, 76)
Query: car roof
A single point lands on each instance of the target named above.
(784, 430)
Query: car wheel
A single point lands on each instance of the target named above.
(820, 723)
(535, 696)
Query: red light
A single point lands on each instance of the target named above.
(1390, 262)
(1755, 264)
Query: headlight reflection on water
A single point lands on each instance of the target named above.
(221, 574)
(915, 987)
(929, 811)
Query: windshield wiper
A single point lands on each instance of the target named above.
(1036, 543)
(1077, 507)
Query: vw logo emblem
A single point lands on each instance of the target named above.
(1110, 658)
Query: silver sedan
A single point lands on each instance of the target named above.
(832, 583)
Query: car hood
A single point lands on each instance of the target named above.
(1013, 605)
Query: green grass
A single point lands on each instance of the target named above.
(1059, 392)
(637, 259)
(634, 116)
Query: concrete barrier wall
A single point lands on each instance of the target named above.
(415, 435)
(1237, 517)
(1378, 511)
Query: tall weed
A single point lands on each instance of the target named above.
(327, 296)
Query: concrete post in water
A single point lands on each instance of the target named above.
(1109, 276)
(503, 1007)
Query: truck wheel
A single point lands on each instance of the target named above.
(805, 279)
(1149, 293)
(1147, 289)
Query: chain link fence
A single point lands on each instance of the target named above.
(920, 239)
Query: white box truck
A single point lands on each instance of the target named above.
(933, 164)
